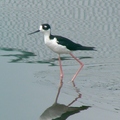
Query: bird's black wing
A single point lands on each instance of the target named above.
(68, 43)
(71, 45)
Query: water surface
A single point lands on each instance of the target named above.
(30, 72)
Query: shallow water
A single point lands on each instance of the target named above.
(30, 72)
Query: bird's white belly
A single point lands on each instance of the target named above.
(54, 46)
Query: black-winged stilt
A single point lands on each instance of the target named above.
(61, 45)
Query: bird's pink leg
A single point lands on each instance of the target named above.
(79, 68)
(61, 71)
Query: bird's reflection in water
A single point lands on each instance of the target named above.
(60, 111)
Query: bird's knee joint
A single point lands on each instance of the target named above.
(61, 76)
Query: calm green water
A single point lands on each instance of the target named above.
(88, 22)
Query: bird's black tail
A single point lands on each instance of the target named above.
(80, 47)
(87, 48)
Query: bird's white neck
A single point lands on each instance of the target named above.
(46, 36)
(46, 33)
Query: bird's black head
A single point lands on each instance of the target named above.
(45, 27)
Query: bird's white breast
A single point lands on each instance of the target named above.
(54, 46)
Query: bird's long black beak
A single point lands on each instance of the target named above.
(34, 32)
